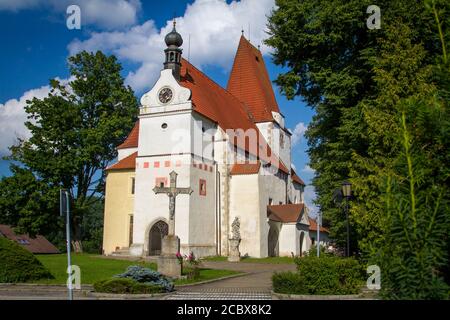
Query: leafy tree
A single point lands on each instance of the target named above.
(362, 83)
(331, 59)
(74, 133)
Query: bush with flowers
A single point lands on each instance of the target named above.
(190, 265)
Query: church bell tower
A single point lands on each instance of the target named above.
(173, 53)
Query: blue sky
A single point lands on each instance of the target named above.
(37, 43)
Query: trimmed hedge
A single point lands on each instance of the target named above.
(125, 285)
(321, 276)
(19, 265)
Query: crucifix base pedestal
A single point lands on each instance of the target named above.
(168, 263)
(235, 255)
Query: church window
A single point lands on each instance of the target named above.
(133, 185)
(281, 139)
(164, 126)
(202, 187)
(270, 201)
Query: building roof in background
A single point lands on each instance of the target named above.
(296, 178)
(250, 82)
(245, 168)
(132, 140)
(285, 213)
(313, 226)
(35, 245)
(126, 163)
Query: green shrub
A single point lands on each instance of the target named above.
(126, 285)
(19, 265)
(321, 276)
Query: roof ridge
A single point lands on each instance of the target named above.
(218, 85)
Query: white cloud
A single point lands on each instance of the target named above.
(308, 169)
(214, 28)
(108, 14)
(309, 197)
(298, 133)
(13, 117)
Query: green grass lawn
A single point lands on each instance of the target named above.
(94, 268)
(274, 260)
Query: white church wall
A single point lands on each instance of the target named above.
(244, 204)
(123, 153)
(288, 240)
(174, 131)
(295, 192)
(202, 211)
(151, 207)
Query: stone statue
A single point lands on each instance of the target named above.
(235, 229)
(234, 242)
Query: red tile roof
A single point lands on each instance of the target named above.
(285, 212)
(126, 163)
(132, 140)
(296, 178)
(35, 245)
(313, 226)
(250, 82)
(219, 105)
(245, 168)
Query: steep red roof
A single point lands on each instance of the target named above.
(35, 245)
(219, 105)
(250, 82)
(296, 178)
(313, 226)
(126, 163)
(132, 140)
(285, 212)
(245, 168)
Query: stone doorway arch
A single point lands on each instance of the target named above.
(157, 232)
(273, 241)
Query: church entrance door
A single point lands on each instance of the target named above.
(157, 232)
(273, 242)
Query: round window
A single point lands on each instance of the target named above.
(164, 126)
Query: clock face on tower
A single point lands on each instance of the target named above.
(165, 95)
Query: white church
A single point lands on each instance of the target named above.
(229, 145)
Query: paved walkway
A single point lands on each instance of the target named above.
(256, 284)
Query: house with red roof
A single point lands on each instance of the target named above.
(229, 153)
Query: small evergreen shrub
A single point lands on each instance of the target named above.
(147, 276)
(321, 276)
(126, 285)
(19, 265)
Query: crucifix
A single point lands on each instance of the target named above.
(172, 191)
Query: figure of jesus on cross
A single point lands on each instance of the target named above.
(172, 191)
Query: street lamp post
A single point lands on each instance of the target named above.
(347, 192)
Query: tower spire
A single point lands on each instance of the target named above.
(173, 52)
